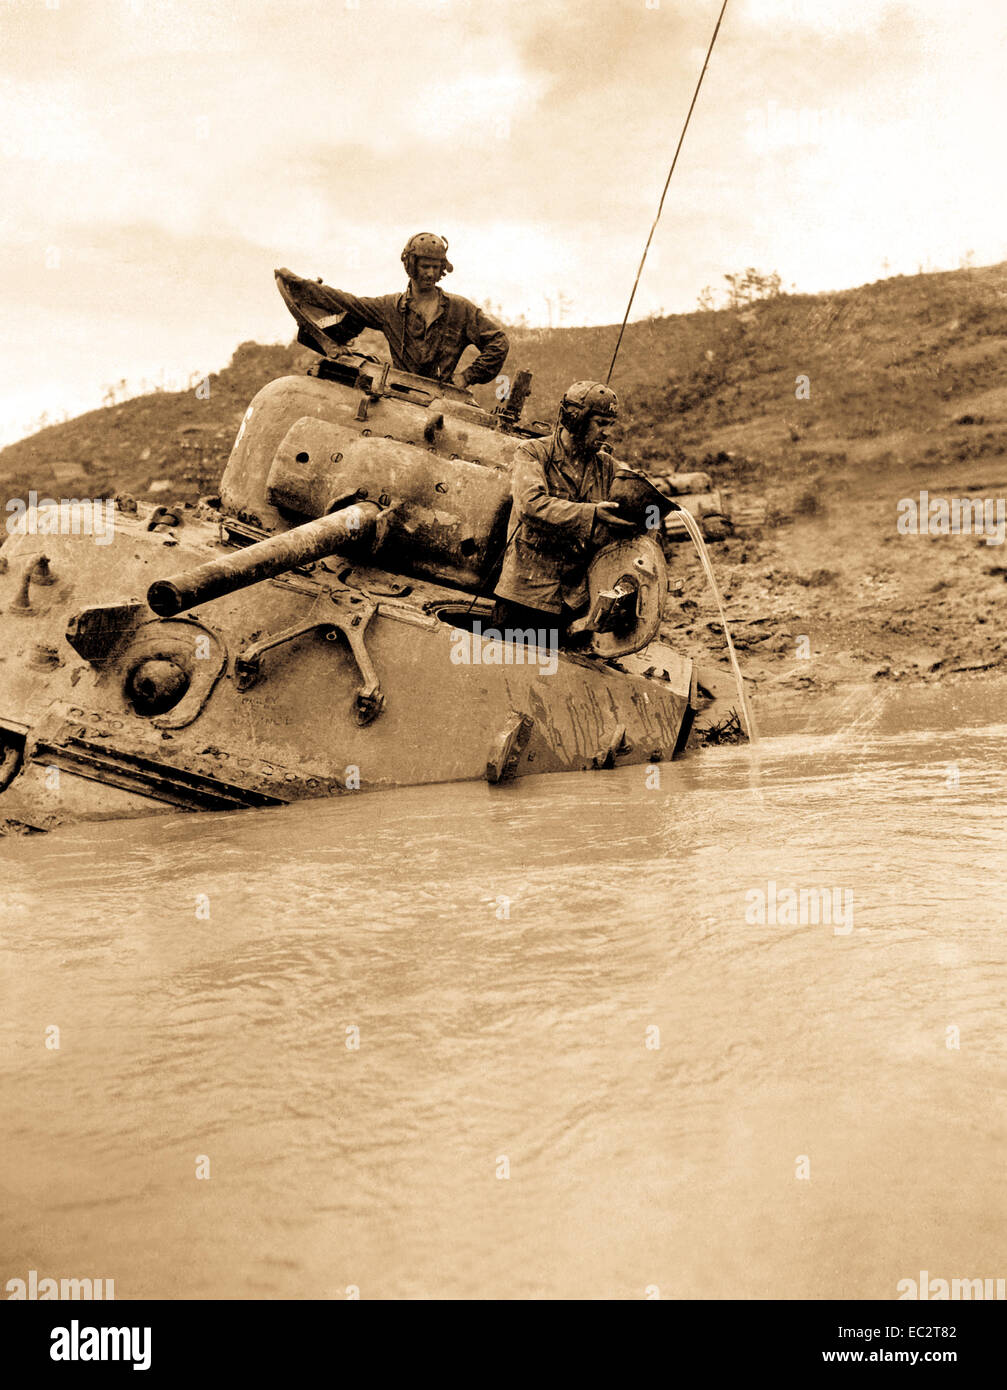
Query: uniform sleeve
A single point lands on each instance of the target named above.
(487, 335)
(372, 313)
(532, 499)
(346, 329)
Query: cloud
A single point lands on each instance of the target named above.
(172, 151)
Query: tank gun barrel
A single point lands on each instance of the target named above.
(276, 554)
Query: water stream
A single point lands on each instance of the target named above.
(595, 1055)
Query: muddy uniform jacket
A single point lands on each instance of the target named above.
(554, 494)
(429, 350)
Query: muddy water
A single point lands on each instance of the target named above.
(585, 1066)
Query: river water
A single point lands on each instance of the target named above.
(539, 1040)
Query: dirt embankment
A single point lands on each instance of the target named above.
(829, 408)
(838, 411)
(842, 597)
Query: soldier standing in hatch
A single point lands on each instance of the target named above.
(561, 513)
(427, 330)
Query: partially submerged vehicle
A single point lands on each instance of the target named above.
(324, 626)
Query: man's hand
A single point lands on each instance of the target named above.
(461, 380)
(607, 512)
(284, 274)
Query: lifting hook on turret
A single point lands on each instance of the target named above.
(37, 572)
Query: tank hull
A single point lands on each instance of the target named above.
(332, 680)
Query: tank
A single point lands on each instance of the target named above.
(324, 626)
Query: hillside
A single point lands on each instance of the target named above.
(890, 366)
(904, 388)
(165, 436)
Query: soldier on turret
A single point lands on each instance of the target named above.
(427, 330)
(561, 513)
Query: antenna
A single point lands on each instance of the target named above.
(667, 181)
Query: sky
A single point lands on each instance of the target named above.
(158, 158)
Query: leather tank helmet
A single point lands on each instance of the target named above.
(426, 246)
(585, 399)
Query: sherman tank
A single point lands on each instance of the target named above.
(324, 626)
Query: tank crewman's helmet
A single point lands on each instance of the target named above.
(584, 399)
(426, 246)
